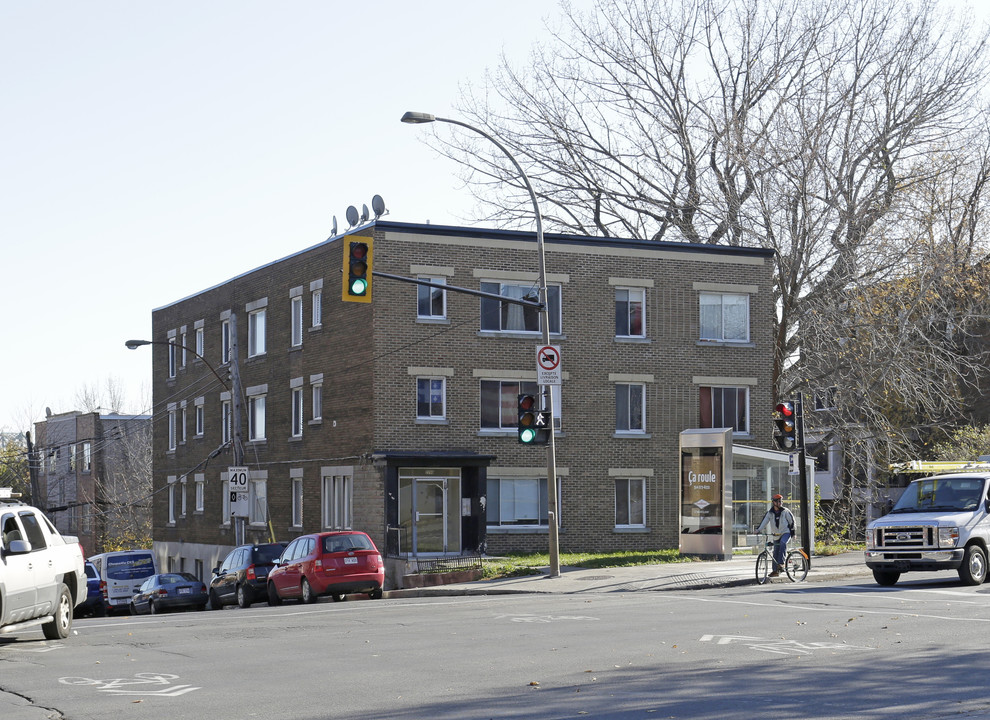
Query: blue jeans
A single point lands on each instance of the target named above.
(780, 549)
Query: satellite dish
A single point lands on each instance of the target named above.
(352, 215)
(378, 206)
(333, 230)
(364, 213)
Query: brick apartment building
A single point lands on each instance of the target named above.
(95, 477)
(398, 416)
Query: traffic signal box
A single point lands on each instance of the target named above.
(785, 434)
(358, 256)
(534, 425)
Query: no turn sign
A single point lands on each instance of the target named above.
(548, 365)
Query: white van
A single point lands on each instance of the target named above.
(121, 574)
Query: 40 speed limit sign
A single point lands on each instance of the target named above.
(237, 486)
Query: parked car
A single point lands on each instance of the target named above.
(169, 591)
(93, 604)
(327, 563)
(242, 577)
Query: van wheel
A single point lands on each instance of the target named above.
(973, 570)
(886, 577)
(59, 626)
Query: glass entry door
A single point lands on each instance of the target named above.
(430, 511)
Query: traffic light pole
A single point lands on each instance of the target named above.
(805, 505)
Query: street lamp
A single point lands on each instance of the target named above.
(418, 118)
(134, 344)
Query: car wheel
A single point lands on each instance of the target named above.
(60, 625)
(133, 608)
(308, 596)
(153, 608)
(375, 594)
(273, 598)
(215, 603)
(886, 577)
(338, 597)
(243, 598)
(973, 570)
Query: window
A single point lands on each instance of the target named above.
(431, 302)
(825, 399)
(297, 412)
(72, 458)
(87, 457)
(182, 498)
(500, 403)
(256, 417)
(629, 305)
(171, 357)
(725, 407)
(182, 425)
(317, 400)
(630, 408)
(518, 501)
(297, 502)
(183, 344)
(337, 498)
(258, 499)
(225, 342)
(200, 341)
(200, 494)
(509, 317)
(225, 419)
(630, 503)
(297, 321)
(200, 417)
(171, 501)
(224, 504)
(171, 429)
(256, 333)
(724, 317)
(430, 397)
(317, 308)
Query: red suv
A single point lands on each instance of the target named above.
(327, 563)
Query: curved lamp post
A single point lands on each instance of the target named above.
(418, 118)
(134, 344)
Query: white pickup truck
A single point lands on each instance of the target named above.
(939, 523)
(42, 573)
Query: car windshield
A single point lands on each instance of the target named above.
(940, 494)
(132, 566)
(346, 543)
(267, 554)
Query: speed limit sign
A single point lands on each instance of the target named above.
(237, 487)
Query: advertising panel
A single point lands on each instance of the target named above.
(701, 490)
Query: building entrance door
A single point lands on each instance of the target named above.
(429, 512)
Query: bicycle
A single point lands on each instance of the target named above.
(796, 563)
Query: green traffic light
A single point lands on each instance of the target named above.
(528, 435)
(359, 286)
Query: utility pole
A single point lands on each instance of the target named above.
(236, 439)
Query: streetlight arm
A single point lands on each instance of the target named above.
(134, 344)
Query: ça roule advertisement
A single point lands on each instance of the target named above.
(701, 490)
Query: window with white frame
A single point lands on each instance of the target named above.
(317, 396)
(183, 425)
(431, 398)
(630, 502)
(200, 346)
(724, 407)
(518, 501)
(510, 317)
(87, 457)
(630, 318)
(200, 486)
(256, 332)
(297, 411)
(317, 297)
(297, 502)
(630, 408)
(431, 302)
(171, 357)
(183, 346)
(182, 498)
(224, 504)
(500, 403)
(337, 499)
(724, 316)
(258, 500)
(171, 428)
(297, 320)
(225, 420)
(200, 417)
(171, 500)
(256, 417)
(225, 342)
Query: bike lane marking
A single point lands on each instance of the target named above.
(116, 686)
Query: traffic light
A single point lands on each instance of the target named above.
(785, 435)
(533, 427)
(357, 270)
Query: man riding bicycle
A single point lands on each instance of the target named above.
(779, 522)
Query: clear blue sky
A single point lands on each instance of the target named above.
(150, 150)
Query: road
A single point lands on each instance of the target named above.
(825, 650)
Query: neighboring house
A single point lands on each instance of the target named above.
(95, 477)
(398, 416)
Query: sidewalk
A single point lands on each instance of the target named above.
(740, 570)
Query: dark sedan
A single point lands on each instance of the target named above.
(169, 591)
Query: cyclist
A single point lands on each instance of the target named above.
(779, 522)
